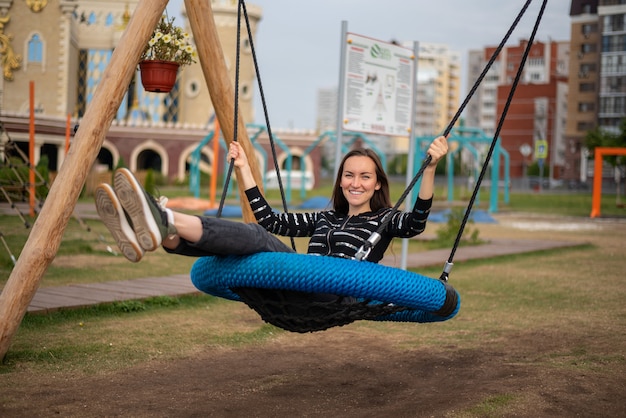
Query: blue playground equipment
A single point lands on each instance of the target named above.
(467, 138)
(194, 164)
(288, 160)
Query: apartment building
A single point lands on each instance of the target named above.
(539, 109)
(597, 77)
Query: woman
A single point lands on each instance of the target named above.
(360, 199)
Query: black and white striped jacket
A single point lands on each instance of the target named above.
(336, 234)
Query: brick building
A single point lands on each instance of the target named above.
(538, 110)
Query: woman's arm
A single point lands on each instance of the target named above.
(245, 176)
(287, 224)
(409, 224)
(437, 150)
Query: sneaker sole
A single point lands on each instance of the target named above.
(112, 215)
(131, 196)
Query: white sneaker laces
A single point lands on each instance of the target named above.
(162, 202)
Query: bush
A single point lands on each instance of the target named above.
(447, 234)
(15, 177)
(149, 182)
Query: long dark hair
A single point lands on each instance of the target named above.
(379, 200)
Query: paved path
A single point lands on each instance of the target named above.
(73, 296)
(78, 295)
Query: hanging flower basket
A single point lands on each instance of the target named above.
(158, 76)
(168, 48)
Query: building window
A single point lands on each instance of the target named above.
(588, 48)
(613, 105)
(587, 87)
(588, 67)
(613, 64)
(614, 23)
(614, 43)
(246, 45)
(589, 28)
(35, 50)
(613, 84)
(584, 126)
(610, 124)
(586, 107)
(81, 91)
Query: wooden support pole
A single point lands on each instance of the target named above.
(45, 237)
(220, 86)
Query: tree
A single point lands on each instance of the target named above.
(602, 138)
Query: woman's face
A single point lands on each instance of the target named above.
(358, 183)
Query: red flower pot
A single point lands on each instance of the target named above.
(158, 76)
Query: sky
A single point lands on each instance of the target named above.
(298, 42)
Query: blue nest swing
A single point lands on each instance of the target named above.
(304, 293)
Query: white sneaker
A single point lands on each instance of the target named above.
(114, 218)
(150, 220)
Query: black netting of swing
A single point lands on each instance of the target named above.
(303, 312)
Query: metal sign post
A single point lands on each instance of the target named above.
(541, 153)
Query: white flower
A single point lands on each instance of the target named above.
(169, 43)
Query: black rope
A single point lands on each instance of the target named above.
(364, 251)
(242, 7)
(236, 114)
(448, 266)
(267, 119)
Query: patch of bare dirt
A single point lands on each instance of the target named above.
(337, 373)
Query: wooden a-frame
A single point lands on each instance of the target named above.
(46, 234)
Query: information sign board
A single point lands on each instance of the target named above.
(379, 80)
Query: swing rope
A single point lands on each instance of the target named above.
(235, 113)
(449, 262)
(364, 251)
(242, 8)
